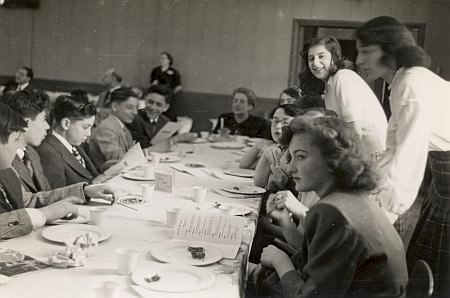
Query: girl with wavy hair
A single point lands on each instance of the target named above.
(349, 247)
(419, 130)
(346, 93)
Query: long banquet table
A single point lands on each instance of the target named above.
(142, 230)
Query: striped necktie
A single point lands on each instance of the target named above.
(27, 162)
(78, 156)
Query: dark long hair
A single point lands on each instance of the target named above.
(339, 147)
(396, 41)
(308, 82)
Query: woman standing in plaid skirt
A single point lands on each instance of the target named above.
(419, 130)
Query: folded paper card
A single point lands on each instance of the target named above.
(132, 158)
(221, 230)
(165, 181)
(166, 132)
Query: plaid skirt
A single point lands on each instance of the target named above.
(431, 239)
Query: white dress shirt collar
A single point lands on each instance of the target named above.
(21, 152)
(115, 88)
(63, 140)
(118, 120)
(21, 87)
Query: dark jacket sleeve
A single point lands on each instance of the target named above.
(52, 165)
(333, 252)
(216, 129)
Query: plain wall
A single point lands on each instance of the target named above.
(218, 45)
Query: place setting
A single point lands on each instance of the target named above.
(146, 173)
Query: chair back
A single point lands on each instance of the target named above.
(420, 282)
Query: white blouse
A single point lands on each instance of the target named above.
(420, 122)
(351, 98)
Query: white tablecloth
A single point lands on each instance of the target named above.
(138, 229)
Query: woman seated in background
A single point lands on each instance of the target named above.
(346, 93)
(349, 247)
(289, 96)
(240, 122)
(150, 120)
(166, 74)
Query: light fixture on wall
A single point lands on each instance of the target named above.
(19, 3)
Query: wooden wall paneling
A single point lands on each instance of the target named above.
(194, 71)
(224, 74)
(440, 40)
(339, 10)
(402, 10)
(246, 46)
(15, 39)
(302, 9)
(148, 57)
(360, 10)
(265, 79)
(179, 37)
(282, 39)
(381, 7)
(211, 47)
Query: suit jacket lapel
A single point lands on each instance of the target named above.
(24, 173)
(69, 158)
(39, 180)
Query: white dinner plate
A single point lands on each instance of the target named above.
(61, 233)
(80, 219)
(245, 190)
(173, 278)
(176, 252)
(228, 145)
(137, 175)
(166, 158)
(246, 173)
(226, 209)
(199, 141)
(131, 200)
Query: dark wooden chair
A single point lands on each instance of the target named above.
(420, 282)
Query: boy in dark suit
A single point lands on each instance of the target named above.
(15, 220)
(27, 162)
(64, 161)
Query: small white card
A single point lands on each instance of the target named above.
(164, 181)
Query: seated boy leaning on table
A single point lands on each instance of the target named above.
(18, 216)
(112, 139)
(150, 120)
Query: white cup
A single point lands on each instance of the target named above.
(156, 157)
(149, 172)
(96, 215)
(242, 139)
(147, 191)
(199, 194)
(204, 134)
(172, 216)
(126, 260)
(106, 289)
